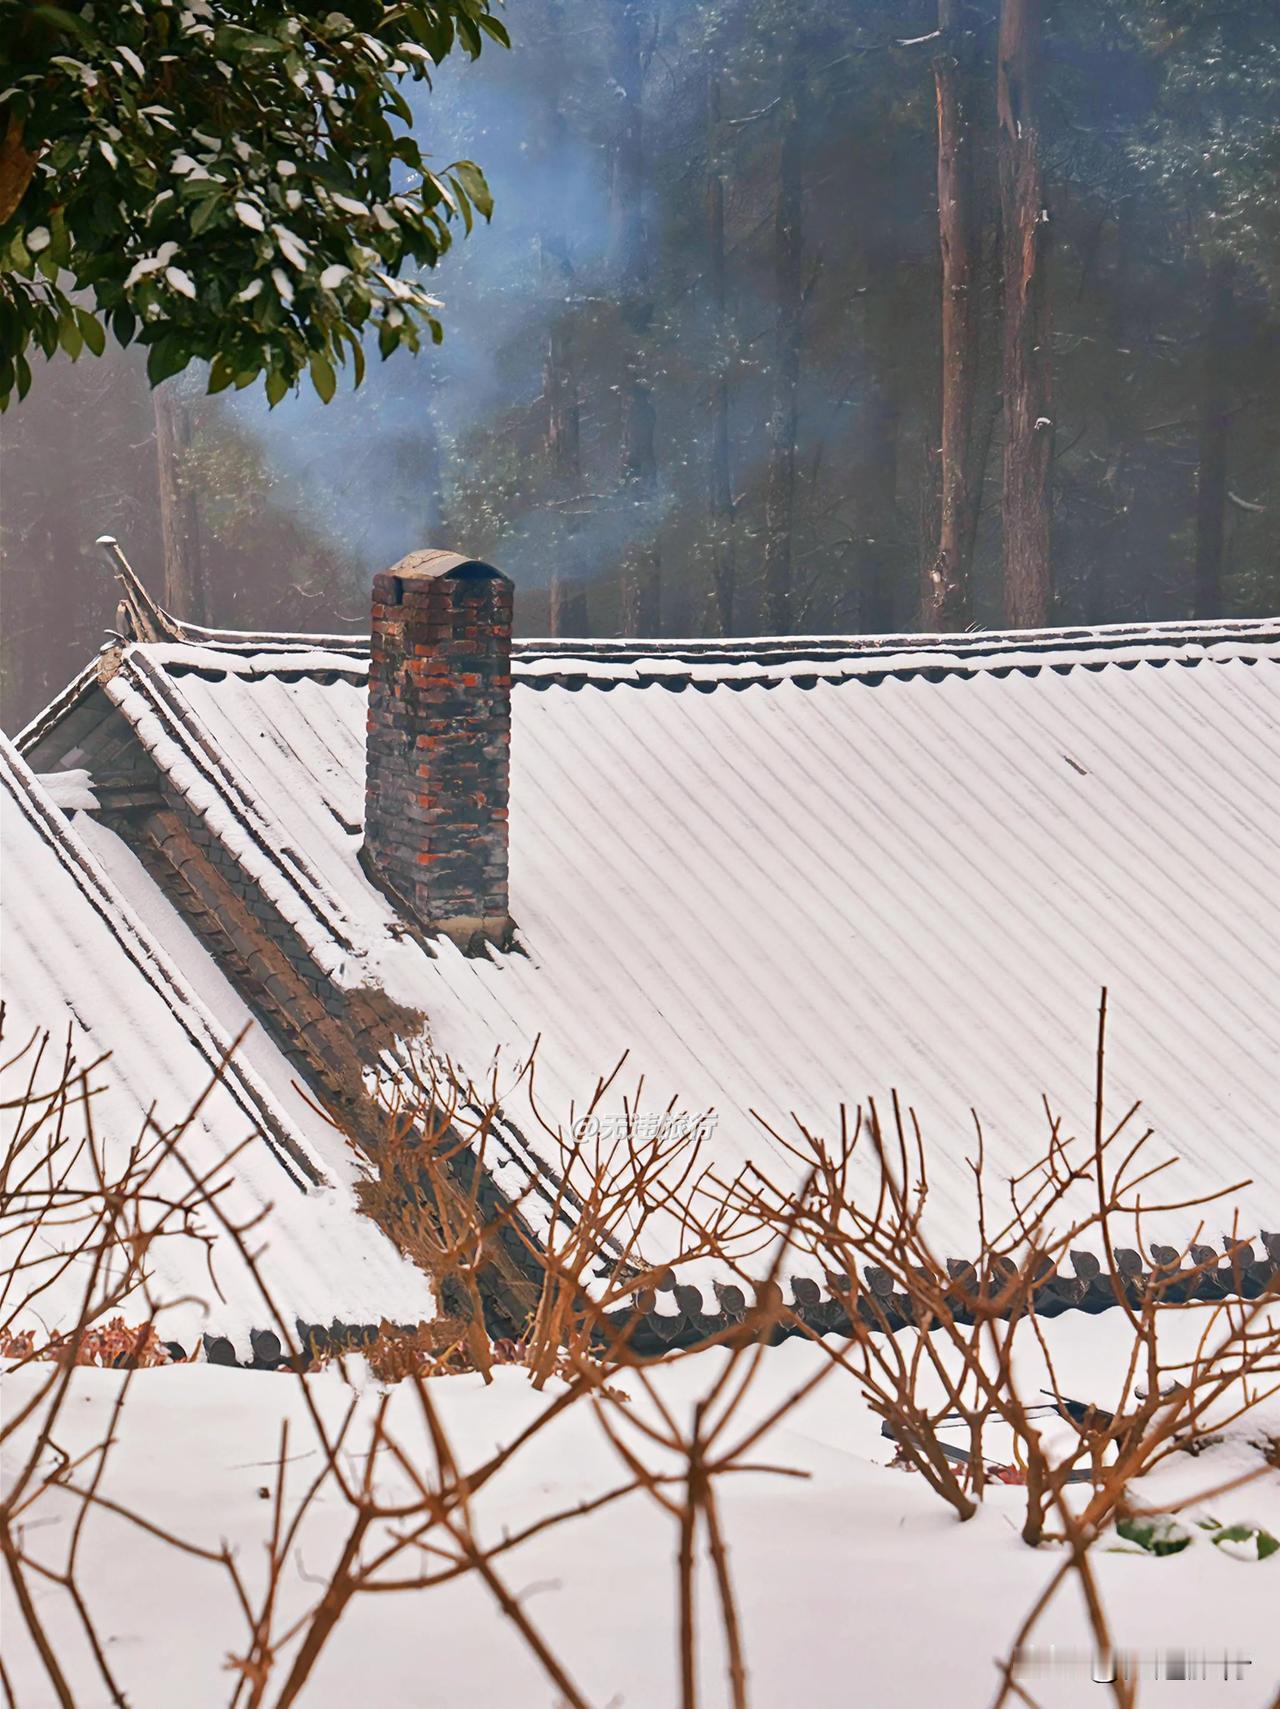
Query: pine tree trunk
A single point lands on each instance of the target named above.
(1028, 420)
(567, 595)
(1211, 441)
(777, 612)
(641, 565)
(945, 602)
(724, 566)
(875, 473)
(1109, 553)
(184, 584)
(562, 444)
(433, 471)
(567, 612)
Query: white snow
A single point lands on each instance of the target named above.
(69, 789)
(783, 899)
(77, 956)
(205, 798)
(151, 264)
(181, 282)
(856, 1586)
(291, 246)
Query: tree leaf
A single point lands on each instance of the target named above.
(69, 335)
(221, 374)
(475, 184)
(206, 211)
(1246, 1532)
(464, 205)
(166, 357)
(494, 29)
(323, 377)
(92, 331)
(357, 352)
(61, 19)
(1157, 1533)
(204, 119)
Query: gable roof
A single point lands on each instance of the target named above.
(783, 875)
(80, 959)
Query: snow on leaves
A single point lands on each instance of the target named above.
(186, 184)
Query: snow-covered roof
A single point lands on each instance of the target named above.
(80, 955)
(779, 876)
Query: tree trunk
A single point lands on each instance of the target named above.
(567, 605)
(40, 640)
(777, 613)
(185, 593)
(1109, 551)
(641, 565)
(1212, 418)
(875, 474)
(17, 164)
(1028, 421)
(567, 594)
(945, 595)
(432, 465)
(724, 566)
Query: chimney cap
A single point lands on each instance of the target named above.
(430, 565)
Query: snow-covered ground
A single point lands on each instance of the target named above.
(857, 1586)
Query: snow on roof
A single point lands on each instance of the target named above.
(795, 873)
(77, 952)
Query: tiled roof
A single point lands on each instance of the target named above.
(779, 876)
(78, 953)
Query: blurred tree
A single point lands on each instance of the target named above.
(1028, 371)
(724, 574)
(789, 302)
(1160, 150)
(185, 593)
(945, 595)
(567, 597)
(635, 26)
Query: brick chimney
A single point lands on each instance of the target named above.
(439, 747)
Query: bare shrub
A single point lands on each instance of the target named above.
(930, 1345)
(69, 1211)
(567, 1251)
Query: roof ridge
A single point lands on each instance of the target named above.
(566, 660)
(575, 663)
(626, 648)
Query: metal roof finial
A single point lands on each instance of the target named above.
(138, 617)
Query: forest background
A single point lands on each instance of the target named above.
(794, 316)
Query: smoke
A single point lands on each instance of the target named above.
(368, 468)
